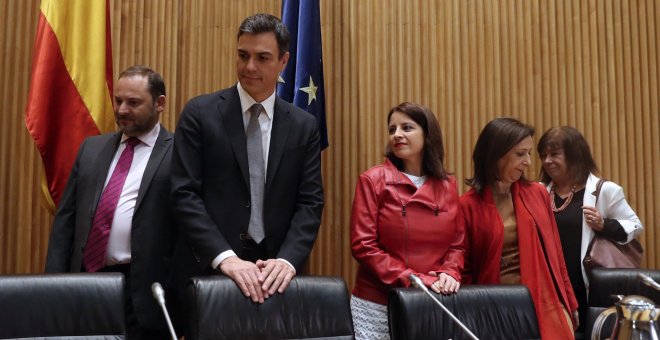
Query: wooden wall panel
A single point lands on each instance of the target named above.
(24, 225)
(592, 64)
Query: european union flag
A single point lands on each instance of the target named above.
(302, 79)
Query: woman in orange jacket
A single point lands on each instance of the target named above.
(405, 220)
(510, 231)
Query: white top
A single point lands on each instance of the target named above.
(418, 181)
(119, 243)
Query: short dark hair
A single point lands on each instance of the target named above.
(496, 139)
(577, 153)
(264, 23)
(434, 151)
(154, 79)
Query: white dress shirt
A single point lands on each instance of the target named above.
(265, 120)
(119, 243)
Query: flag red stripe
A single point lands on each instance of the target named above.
(56, 115)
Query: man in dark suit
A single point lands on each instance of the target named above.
(115, 212)
(246, 172)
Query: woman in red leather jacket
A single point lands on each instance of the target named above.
(510, 231)
(405, 220)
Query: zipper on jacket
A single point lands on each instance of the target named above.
(405, 222)
(405, 234)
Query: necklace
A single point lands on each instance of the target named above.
(566, 202)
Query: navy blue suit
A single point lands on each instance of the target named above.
(211, 186)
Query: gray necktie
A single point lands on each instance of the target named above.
(257, 177)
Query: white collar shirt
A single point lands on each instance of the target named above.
(265, 120)
(266, 124)
(119, 243)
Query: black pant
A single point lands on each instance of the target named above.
(133, 328)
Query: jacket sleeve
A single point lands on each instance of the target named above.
(454, 259)
(467, 276)
(364, 240)
(616, 207)
(60, 244)
(306, 218)
(453, 262)
(187, 183)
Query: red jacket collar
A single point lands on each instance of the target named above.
(393, 175)
(428, 194)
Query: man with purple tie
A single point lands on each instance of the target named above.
(115, 211)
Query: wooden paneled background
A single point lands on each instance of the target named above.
(593, 64)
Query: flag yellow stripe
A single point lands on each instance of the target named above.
(80, 28)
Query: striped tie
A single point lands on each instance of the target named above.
(97, 242)
(257, 174)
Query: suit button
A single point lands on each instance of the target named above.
(247, 204)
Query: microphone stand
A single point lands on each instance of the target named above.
(417, 282)
(159, 295)
(647, 280)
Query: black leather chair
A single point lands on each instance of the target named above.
(604, 284)
(62, 306)
(490, 312)
(311, 307)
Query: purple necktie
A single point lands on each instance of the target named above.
(97, 242)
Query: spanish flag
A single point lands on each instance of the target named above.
(70, 94)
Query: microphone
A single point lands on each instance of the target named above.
(417, 282)
(159, 295)
(647, 280)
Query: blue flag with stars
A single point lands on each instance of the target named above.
(301, 82)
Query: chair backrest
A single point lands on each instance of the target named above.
(489, 311)
(55, 306)
(605, 283)
(311, 307)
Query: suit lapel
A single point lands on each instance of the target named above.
(278, 137)
(232, 120)
(163, 143)
(102, 166)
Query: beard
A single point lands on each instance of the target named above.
(135, 125)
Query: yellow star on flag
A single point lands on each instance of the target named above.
(310, 90)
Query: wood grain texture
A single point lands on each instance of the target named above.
(591, 64)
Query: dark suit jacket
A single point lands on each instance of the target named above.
(153, 231)
(211, 185)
